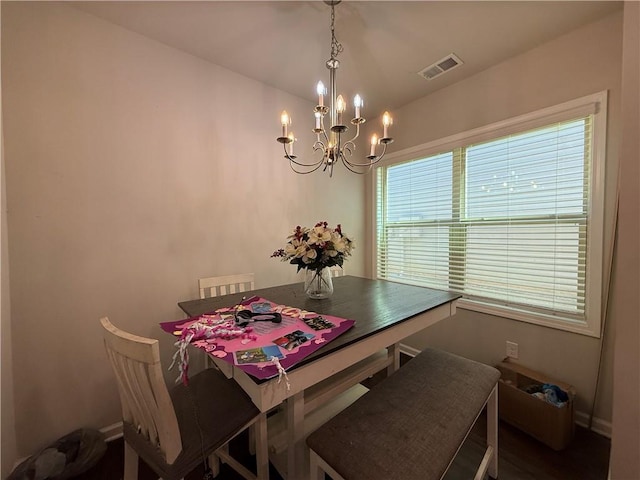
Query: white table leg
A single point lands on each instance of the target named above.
(261, 447)
(394, 354)
(295, 437)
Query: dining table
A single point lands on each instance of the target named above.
(384, 312)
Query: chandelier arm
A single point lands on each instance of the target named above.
(304, 173)
(319, 145)
(349, 166)
(356, 135)
(372, 162)
(349, 147)
(324, 133)
(292, 159)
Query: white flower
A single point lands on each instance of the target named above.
(309, 255)
(340, 245)
(316, 248)
(349, 245)
(319, 235)
(331, 252)
(291, 247)
(301, 250)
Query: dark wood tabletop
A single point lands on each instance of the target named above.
(375, 305)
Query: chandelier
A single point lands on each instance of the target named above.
(331, 146)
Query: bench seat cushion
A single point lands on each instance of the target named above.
(410, 425)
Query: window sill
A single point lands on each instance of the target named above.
(550, 321)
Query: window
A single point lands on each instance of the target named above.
(509, 215)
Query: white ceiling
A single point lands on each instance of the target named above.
(285, 43)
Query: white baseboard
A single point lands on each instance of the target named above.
(112, 432)
(407, 350)
(603, 427)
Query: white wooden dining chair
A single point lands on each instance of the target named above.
(173, 431)
(216, 286)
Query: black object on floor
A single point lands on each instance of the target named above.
(67, 457)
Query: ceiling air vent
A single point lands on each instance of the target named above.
(443, 65)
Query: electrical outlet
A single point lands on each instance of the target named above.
(512, 349)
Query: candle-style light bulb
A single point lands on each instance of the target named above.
(386, 121)
(357, 102)
(285, 120)
(293, 139)
(321, 91)
(340, 107)
(374, 142)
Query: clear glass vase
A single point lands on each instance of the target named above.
(318, 283)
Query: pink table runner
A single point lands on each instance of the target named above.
(299, 334)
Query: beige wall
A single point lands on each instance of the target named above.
(625, 448)
(7, 414)
(582, 62)
(132, 169)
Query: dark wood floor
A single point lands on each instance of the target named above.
(520, 457)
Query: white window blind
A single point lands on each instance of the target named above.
(505, 221)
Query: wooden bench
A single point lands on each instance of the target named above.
(412, 424)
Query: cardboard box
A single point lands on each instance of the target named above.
(543, 420)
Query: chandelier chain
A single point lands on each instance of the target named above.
(336, 47)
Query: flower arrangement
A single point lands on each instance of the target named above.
(316, 248)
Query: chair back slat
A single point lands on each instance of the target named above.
(217, 286)
(140, 413)
(143, 393)
(145, 400)
(125, 400)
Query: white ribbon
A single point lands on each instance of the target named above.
(281, 372)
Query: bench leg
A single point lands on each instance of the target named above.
(492, 431)
(489, 462)
(319, 467)
(316, 471)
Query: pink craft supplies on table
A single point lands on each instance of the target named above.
(258, 341)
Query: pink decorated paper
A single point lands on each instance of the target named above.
(299, 334)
